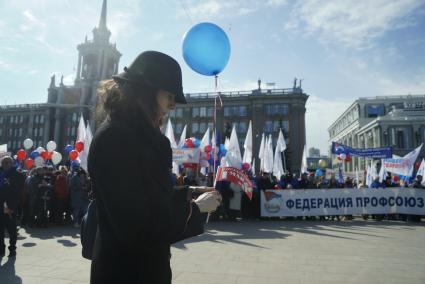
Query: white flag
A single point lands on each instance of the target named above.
(382, 172)
(261, 152)
(182, 137)
(87, 142)
(81, 131)
(204, 142)
(268, 160)
(233, 156)
(403, 166)
(169, 133)
(247, 155)
(277, 163)
(281, 144)
(304, 161)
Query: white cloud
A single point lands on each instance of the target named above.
(276, 2)
(5, 66)
(201, 10)
(32, 20)
(351, 22)
(69, 79)
(320, 114)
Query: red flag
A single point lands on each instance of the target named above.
(236, 176)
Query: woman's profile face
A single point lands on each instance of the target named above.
(166, 103)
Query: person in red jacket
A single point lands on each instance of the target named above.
(61, 193)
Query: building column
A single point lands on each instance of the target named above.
(56, 137)
(79, 66)
(47, 135)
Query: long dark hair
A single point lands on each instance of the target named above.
(126, 100)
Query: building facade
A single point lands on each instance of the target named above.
(268, 109)
(395, 121)
(58, 119)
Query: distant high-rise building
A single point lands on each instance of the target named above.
(313, 152)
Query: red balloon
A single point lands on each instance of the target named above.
(189, 143)
(208, 149)
(246, 166)
(21, 155)
(395, 178)
(417, 165)
(29, 163)
(44, 155)
(73, 155)
(207, 157)
(49, 156)
(79, 146)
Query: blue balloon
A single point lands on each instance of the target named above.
(196, 143)
(206, 49)
(34, 154)
(68, 148)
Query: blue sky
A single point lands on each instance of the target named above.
(341, 49)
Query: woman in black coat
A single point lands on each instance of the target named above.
(139, 212)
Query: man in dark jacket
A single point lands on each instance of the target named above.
(129, 163)
(10, 193)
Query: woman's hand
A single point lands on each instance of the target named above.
(208, 201)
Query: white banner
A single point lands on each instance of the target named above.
(319, 202)
(189, 155)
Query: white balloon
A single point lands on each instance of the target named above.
(28, 143)
(56, 157)
(40, 149)
(51, 146)
(343, 156)
(39, 161)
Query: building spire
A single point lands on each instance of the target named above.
(102, 21)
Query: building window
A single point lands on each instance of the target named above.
(73, 130)
(195, 112)
(243, 127)
(1, 119)
(227, 111)
(202, 127)
(195, 127)
(179, 112)
(20, 132)
(68, 131)
(285, 125)
(1, 131)
(210, 112)
(277, 109)
(276, 125)
(401, 137)
(211, 126)
(268, 126)
(243, 111)
(172, 113)
(375, 110)
(41, 131)
(74, 117)
(21, 119)
(202, 111)
(179, 128)
(35, 132)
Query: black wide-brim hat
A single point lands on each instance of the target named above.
(155, 69)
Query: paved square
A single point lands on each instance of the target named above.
(248, 252)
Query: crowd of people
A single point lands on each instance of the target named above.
(46, 195)
(236, 204)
